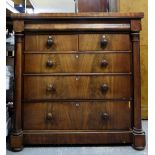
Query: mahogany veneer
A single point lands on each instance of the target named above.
(77, 79)
(73, 62)
(77, 87)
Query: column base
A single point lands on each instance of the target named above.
(16, 141)
(138, 139)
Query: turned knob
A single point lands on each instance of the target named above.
(50, 63)
(104, 115)
(50, 88)
(104, 63)
(104, 41)
(104, 88)
(49, 116)
(50, 41)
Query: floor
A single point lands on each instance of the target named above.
(125, 150)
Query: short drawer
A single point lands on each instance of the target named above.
(51, 42)
(77, 116)
(100, 42)
(78, 63)
(77, 87)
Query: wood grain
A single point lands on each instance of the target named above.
(78, 63)
(65, 116)
(92, 15)
(137, 81)
(18, 83)
(80, 138)
(66, 97)
(77, 87)
(92, 42)
(61, 42)
(87, 42)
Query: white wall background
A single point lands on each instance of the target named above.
(45, 6)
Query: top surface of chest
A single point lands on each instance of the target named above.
(77, 22)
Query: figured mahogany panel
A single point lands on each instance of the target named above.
(51, 42)
(77, 116)
(77, 87)
(100, 42)
(72, 63)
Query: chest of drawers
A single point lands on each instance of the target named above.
(77, 79)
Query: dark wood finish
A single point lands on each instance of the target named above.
(115, 42)
(137, 79)
(59, 42)
(76, 74)
(110, 15)
(87, 42)
(63, 116)
(139, 135)
(93, 5)
(136, 25)
(77, 79)
(18, 26)
(18, 81)
(77, 87)
(16, 142)
(139, 140)
(77, 137)
(81, 63)
(17, 134)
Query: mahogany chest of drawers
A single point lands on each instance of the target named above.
(77, 79)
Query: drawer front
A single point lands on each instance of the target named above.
(73, 63)
(51, 42)
(77, 87)
(100, 42)
(77, 116)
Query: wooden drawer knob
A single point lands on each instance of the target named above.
(104, 116)
(51, 88)
(104, 88)
(50, 63)
(104, 63)
(49, 116)
(104, 41)
(50, 41)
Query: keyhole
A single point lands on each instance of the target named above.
(77, 104)
(77, 78)
(77, 56)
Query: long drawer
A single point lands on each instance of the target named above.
(77, 116)
(77, 87)
(72, 63)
